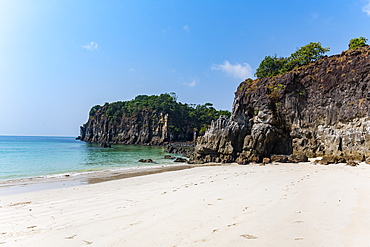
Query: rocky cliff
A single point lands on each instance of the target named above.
(318, 109)
(145, 127)
(151, 120)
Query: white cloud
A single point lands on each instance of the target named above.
(186, 28)
(366, 8)
(90, 46)
(239, 71)
(193, 83)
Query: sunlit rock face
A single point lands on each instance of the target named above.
(319, 109)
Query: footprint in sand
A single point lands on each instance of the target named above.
(248, 236)
(71, 237)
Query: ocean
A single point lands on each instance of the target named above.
(40, 156)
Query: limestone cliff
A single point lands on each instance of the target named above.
(318, 109)
(151, 120)
(145, 127)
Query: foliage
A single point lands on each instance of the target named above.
(272, 65)
(197, 115)
(306, 54)
(94, 109)
(357, 42)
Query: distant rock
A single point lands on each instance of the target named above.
(296, 158)
(266, 160)
(105, 145)
(352, 163)
(180, 160)
(146, 160)
(279, 158)
(185, 151)
(169, 157)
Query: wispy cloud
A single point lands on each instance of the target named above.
(366, 8)
(239, 71)
(186, 28)
(90, 46)
(192, 83)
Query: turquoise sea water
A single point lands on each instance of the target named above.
(26, 156)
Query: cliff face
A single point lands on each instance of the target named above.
(318, 109)
(145, 127)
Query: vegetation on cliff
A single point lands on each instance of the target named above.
(200, 115)
(272, 65)
(357, 42)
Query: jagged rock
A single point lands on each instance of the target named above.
(180, 160)
(296, 158)
(323, 162)
(279, 158)
(367, 160)
(146, 160)
(266, 160)
(352, 163)
(105, 145)
(355, 157)
(185, 151)
(332, 159)
(320, 109)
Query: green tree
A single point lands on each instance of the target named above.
(270, 66)
(304, 55)
(357, 42)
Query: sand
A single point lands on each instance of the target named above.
(231, 205)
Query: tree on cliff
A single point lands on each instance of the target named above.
(357, 42)
(306, 54)
(272, 65)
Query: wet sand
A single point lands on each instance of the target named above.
(230, 205)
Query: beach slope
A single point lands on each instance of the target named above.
(231, 205)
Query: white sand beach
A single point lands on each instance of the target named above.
(230, 205)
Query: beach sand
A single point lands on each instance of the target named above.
(229, 205)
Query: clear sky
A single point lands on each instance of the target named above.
(58, 58)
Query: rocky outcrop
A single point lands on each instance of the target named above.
(315, 110)
(145, 127)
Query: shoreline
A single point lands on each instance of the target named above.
(223, 205)
(64, 180)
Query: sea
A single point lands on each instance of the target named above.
(46, 156)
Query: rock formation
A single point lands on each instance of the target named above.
(319, 109)
(145, 127)
(148, 120)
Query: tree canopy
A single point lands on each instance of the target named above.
(357, 42)
(272, 65)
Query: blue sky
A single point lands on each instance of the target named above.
(60, 58)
